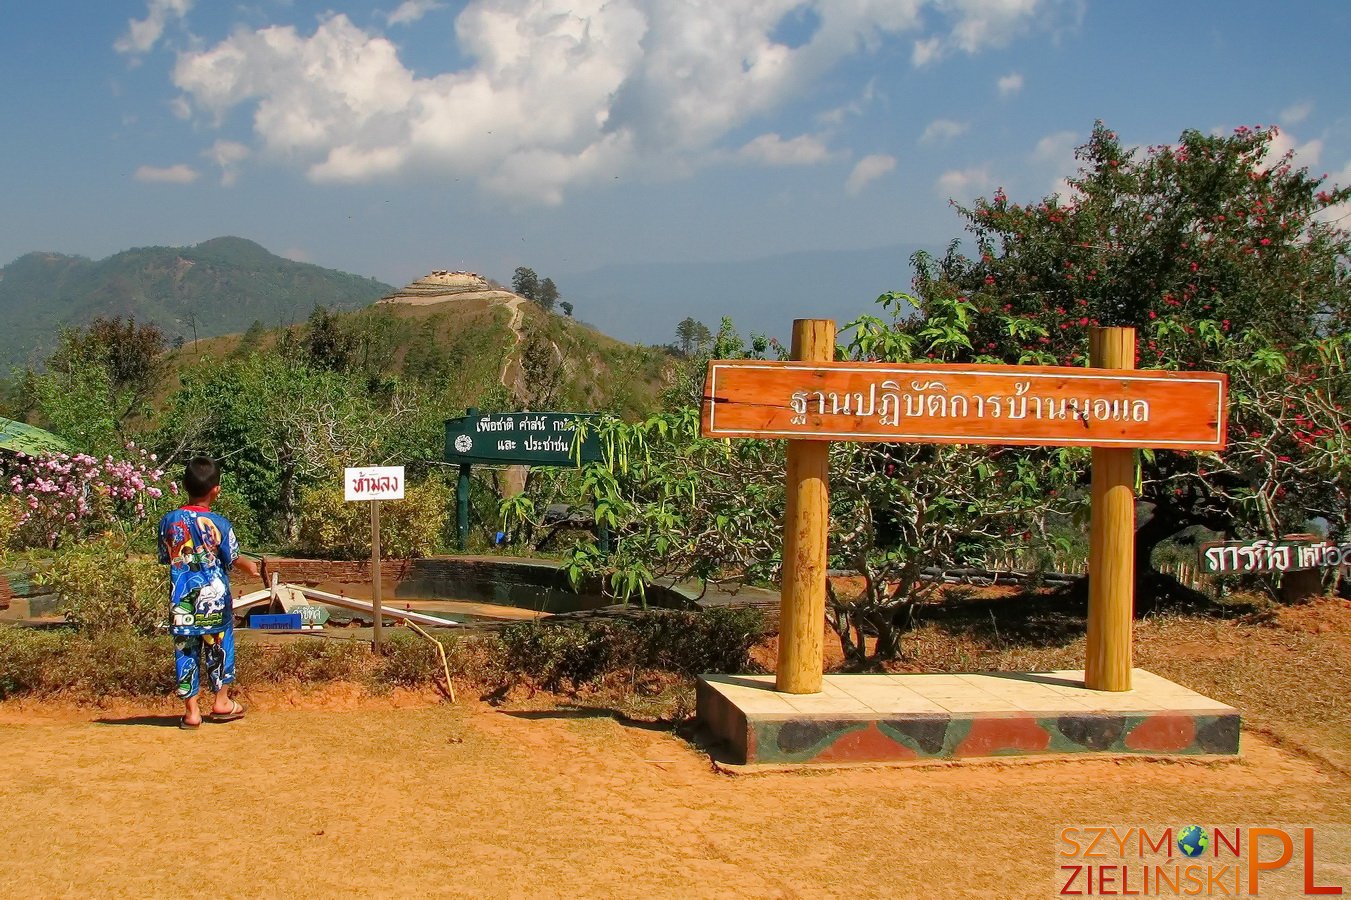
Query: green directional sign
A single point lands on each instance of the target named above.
(525, 438)
(310, 614)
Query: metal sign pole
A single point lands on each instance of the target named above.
(462, 508)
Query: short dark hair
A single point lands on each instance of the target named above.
(200, 476)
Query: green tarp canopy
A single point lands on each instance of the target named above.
(20, 438)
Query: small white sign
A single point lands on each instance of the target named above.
(375, 483)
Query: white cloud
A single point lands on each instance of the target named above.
(1296, 113)
(1056, 148)
(1307, 153)
(855, 107)
(869, 169)
(981, 24)
(143, 34)
(990, 23)
(943, 130)
(1056, 152)
(409, 11)
(803, 150)
(927, 50)
(1010, 84)
(1338, 214)
(556, 93)
(962, 184)
(179, 174)
(227, 155)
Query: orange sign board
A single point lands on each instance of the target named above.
(965, 404)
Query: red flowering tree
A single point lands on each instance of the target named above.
(1224, 257)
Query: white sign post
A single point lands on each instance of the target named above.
(374, 483)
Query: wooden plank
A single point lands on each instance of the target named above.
(965, 404)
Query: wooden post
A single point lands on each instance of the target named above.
(1111, 554)
(802, 606)
(375, 573)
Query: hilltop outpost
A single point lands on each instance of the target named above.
(442, 285)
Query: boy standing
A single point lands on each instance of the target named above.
(199, 547)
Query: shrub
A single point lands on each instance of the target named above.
(22, 654)
(105, 589)
(64, 498)
(331, 527)
(407, 659)
(716, 640)
(112, 663)
(557, 654)
(305, 661)
(10, 515)
(121, 662)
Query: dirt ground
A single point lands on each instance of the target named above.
(336, 793)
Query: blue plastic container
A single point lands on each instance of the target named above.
(276, 622)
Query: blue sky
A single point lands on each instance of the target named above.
(568, 135)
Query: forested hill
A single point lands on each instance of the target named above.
(216, 287)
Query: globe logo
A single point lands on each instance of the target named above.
(1193, 841)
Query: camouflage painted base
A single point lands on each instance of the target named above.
(892, 718)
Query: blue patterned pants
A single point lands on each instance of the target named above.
(215, 651)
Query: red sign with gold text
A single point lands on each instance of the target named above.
(965, 404)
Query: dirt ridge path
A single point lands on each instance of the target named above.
(514, 324)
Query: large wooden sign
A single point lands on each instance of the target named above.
(533, 439)
(1112, 408)
(965, 404)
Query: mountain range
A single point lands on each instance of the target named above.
(223, 285)
(216, 287)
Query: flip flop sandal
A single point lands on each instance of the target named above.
(184, 724)
(236, 712)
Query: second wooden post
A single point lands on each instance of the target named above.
(802, 607)
(1111, 553)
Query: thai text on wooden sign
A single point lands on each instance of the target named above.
(535, 439)
(373, 483)
(965, 404)
(1226, 557)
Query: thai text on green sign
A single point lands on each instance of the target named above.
(528, 438)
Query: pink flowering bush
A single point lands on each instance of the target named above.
(64, 498)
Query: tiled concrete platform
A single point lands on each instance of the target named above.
(884, 718)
